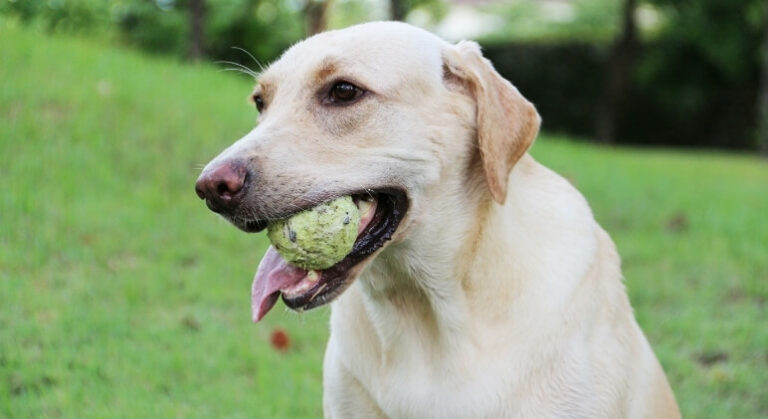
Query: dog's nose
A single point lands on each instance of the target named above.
(221, 187)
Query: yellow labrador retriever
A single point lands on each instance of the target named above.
(480, 285)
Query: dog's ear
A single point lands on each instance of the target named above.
(506, 122)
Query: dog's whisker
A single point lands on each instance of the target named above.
(234, 63)
(258, 63)
(368, 191)
(239, 71)
(242, 68)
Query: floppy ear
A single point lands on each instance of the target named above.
(506, 122)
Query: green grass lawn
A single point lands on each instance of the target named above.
(121, 295)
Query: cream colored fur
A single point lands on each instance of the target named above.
(500, 296)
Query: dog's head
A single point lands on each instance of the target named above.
(385, 112)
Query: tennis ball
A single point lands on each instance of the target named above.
(319, 237)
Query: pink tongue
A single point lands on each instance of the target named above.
(274, 274)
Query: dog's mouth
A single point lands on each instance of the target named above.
(381, 212)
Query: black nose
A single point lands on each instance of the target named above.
(221, 186)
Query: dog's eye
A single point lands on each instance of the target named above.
(344, 92)
(259, 102)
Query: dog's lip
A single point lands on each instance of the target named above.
(391, 207)
(257, 225)
(253, 226)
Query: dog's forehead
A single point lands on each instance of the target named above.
(386, 51)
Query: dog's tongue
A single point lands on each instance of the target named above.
(274, 274)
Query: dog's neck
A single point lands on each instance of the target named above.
(417, 291)
(460, 273)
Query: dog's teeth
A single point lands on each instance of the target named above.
(313, 276)
(364, 206)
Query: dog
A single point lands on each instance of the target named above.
(480, 285)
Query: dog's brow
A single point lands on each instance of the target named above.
(263, 87)
(327, 67)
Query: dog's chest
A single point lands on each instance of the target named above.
(490, 390)
(518, 381)
(420, 391)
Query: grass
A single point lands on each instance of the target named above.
(121, 295)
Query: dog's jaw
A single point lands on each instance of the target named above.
(302, 290)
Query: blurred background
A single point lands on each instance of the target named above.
(121, 295)
(691, 73)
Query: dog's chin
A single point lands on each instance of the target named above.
(310, 289)
(248, 225)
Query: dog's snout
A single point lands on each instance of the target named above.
(221, 186)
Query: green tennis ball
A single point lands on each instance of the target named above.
(317, 238)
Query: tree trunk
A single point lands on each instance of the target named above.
(316, 16)
(617, 76)
(397, 10)
(197, 11)
(762, 96)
